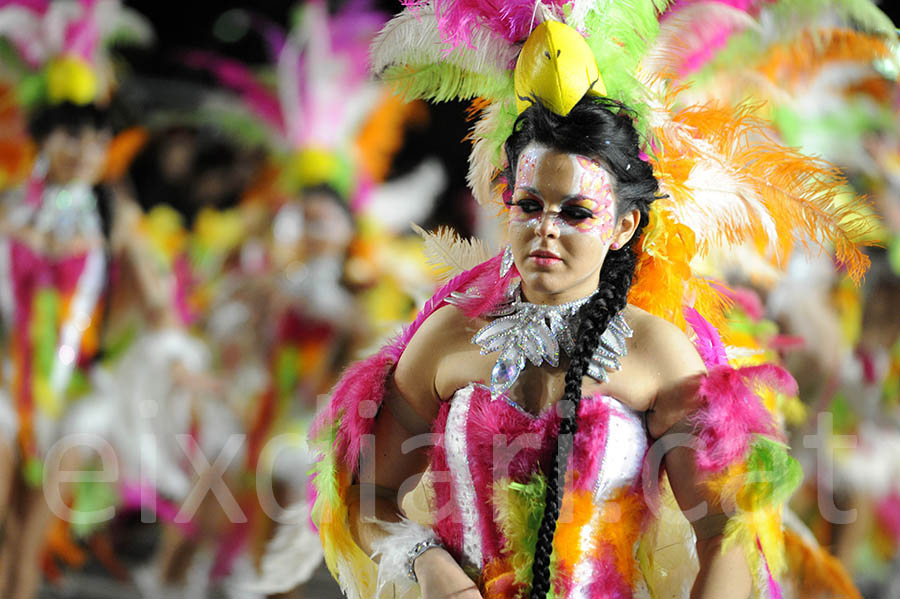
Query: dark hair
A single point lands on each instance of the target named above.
(328, 191)
(603, 130)
(72, 117)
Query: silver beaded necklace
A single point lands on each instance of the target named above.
(537, 333)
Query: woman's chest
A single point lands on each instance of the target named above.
(497, 440)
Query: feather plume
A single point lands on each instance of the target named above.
(752, 186)
(690, 36)
(443, 82)
(513, 20)
(239, 78)
(413, 38)
(783, 21)
(449, 254)
(619, 35)
(798, 61)
(292, 555)
(708, 343)
(486, 158)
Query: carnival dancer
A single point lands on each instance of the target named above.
(549, 384)
(54, 252)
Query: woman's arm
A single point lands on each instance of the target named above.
(401, 438)
(722, 575)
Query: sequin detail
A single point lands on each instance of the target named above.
(456, 446)
(626, 444)
(524, 332)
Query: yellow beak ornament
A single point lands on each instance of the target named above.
(557, 67)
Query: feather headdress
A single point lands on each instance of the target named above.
(727, 177)
(61, 46)
(316, 103)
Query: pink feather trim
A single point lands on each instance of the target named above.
(448, 526)
(357, 397)
(486, 289)
(708, 343)
(731, 413)
(512, 20)
(774, 587)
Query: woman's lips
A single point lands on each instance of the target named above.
(544, 258)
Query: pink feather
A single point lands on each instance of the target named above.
(731, 414)
(708, 343)
(356, 398)
(608, 582)
(242, 81)
(82, 36)
(774, 587)
(712, 35)
(38, 6)
(448, 528)
(512, 20)
(486, 290)
(746, 298)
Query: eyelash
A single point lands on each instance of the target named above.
(529, 206)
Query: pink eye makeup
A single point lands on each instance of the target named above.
(587, 205)
(595, 185)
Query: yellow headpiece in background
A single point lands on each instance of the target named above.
(557, 67)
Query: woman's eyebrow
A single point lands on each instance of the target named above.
(577, 197)
(530, 190)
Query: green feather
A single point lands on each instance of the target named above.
(519, 509)
(620, 33)
(324, 472)
(443, 82)
(772, 473)
(43, 330)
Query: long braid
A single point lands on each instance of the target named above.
(610, 299)
(602, 129)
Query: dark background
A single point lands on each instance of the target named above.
(189, 24)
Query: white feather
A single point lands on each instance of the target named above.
(446, 251)
(55, 22)
(391, 551)
(24, 29)
(719, 199)
(579, 11)
(113, 19)
(685, 31)
(409, 198)
(413, 38)
(292, 555)
(483, 161)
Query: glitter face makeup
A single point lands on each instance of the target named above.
(561, 222)
(588, 205)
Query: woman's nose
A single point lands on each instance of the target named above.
(547, 225)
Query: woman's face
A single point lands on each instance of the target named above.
(561, 222)
(78, 158)
(327, 229)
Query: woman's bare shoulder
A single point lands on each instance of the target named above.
(672, 361)
(442, 333)
(660, 340)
